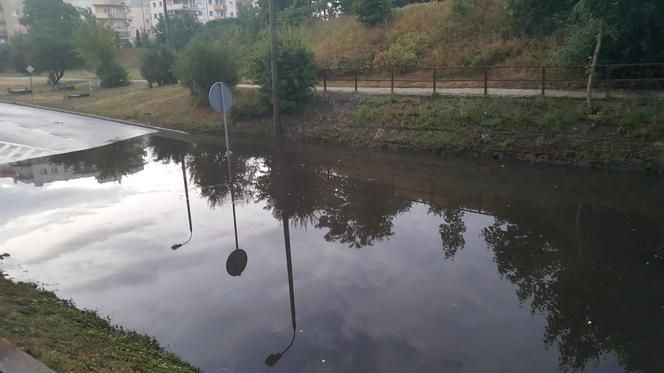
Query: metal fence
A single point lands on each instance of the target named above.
(648, 76)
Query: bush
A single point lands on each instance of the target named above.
(202, 63)
(372, 12)
(112, 75)
(157, 66)
(406, 51)
(250, 105)
(298, 71)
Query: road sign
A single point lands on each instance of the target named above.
(221, 98)
(30, 69)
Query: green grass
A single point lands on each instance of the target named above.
(71, 340)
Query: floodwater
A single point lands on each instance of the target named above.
(355, 262)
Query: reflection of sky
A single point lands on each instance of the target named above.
(395, 307)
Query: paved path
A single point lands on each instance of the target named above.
(27, 132)
(13, 360)
(506, 92)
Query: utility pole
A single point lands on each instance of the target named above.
(166, 22)
(273, 65)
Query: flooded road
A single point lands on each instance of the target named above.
(347, 261)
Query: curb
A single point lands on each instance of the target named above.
(13, 360)
(94, 116)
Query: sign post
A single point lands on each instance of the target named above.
(30, 70)
(221, 100)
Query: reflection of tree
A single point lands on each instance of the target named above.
(451, 230)
(291, 188)
(606, 299)
(358, 213)
(111, 162)
(167, 150)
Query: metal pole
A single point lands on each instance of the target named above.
(434, 81)
(273, 65)
(31, 91)
(543, 81)
(486, 81)
(355, 81)
(392, 81)
(324, 81)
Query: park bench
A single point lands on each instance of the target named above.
(64, 87)
(19, 91)
(77, 95)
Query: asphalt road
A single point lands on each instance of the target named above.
(29, 133)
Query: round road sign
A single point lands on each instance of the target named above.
(221, 98)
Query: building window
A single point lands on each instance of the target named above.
(234, 16)
(212, 14)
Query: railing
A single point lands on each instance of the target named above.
(541, 77)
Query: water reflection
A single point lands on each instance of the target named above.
(584, 254)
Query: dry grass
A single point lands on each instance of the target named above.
(170, 106)
(480, 38)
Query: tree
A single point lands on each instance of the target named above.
(94, 42)
(182, 27)
(372, 12)
(157, 66)
(298, 71)
(537, 16)
(48, 41)
(202, 63)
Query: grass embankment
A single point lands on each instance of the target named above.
(624, 134)
(443, 38)
(70, 340)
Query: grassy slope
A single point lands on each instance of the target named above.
(70, 340)
(478, 39)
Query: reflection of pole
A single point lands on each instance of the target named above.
(274, 358)
(186, 193)
(289, 267)
(230, 186)
(166, 23)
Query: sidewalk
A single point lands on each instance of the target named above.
(27, 132)
(13, 360)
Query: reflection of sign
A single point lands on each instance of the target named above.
(220, 97)
(30, 69)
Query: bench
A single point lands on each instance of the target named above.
(77, 95)
(65, 87)
(19, 91)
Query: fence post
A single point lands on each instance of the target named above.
(543, 81)
(486, 81)
(324, 81)
(392, 81)
(355, 81)
(434, 81)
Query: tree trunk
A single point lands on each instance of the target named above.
(593, 68)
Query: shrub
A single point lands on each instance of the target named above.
(112, 75)
(250, 105)
(202, 63)
(298, 71)
(407, 51)
(157, 66)
(372, 12)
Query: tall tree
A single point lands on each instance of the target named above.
(50, 26)
(177, 31)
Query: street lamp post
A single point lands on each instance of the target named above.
(186, 194)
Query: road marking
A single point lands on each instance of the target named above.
(11, 152)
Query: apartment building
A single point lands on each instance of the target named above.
(11, 12)
(204, 10)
